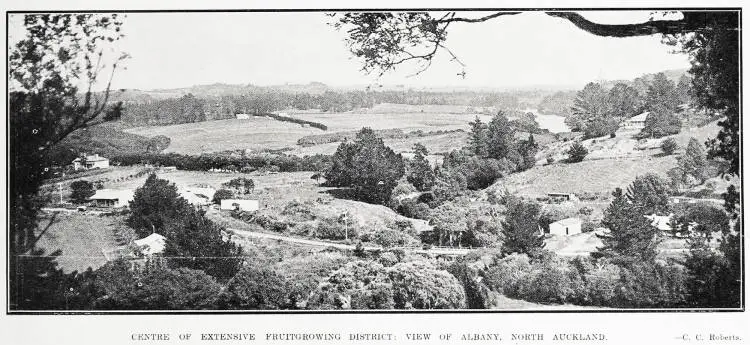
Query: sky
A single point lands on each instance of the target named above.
(170, 50)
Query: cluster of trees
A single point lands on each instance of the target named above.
(190, 108)
(192, 240)
(367, 166)
(243, 163)
(597, 111)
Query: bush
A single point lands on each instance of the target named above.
(552, 280)
(256, 288)
(335, 229)
(577, 153)
(82, 191)
(387, 237)
(222, 194)
(505, 274)
(669, 146)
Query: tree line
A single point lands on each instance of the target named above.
(191, 108)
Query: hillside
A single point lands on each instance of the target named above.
(106, 139)
(611, 163)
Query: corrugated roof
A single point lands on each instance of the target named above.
(112, 194)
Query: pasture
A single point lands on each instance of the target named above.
(258, 133)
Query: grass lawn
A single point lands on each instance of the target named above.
(80, 237)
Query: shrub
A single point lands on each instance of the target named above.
(504, 275)
(419, 285)
(222, 194)
(256, 287)
(82, 191)
(387, 237)
(552, 280)
(577, 153)
(669, 146)
(335, 229)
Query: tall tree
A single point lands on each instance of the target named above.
(420, 173)
(368, 166)
(662, 100)
(155, 205)
(501, 139)
(631, 237)
(651, 193)
(693, 165)
(521, 232)
(47, 67)
(624, 101)
(477, 138)
(590, 108)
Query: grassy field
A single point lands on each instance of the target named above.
(80, 237)
(435, 144)
(265, 133)
(212, 136)
(594, 176)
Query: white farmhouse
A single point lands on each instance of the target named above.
(565, 227)
(242, 116)
(240, 205)
(87, 162)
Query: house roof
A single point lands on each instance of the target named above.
(568, 221)
(112, 194)
(92, 158)
(152, 244)
(639, 118)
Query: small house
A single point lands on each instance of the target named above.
(565, 227)
(242, 116)
(112, 198)
(561, 197)
(637, 122)
(151, 244)
(87, 162)
(240, 205)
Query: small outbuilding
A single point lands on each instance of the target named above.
(565, 227)
(242, 116)
(240, 205)
(561, 197)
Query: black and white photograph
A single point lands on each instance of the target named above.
(333, 161)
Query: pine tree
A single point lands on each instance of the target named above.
(693, 164)
(521, 233)
(651, 193)
(155, 205)
(631, 236)
(420, 174)
(477, 138)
